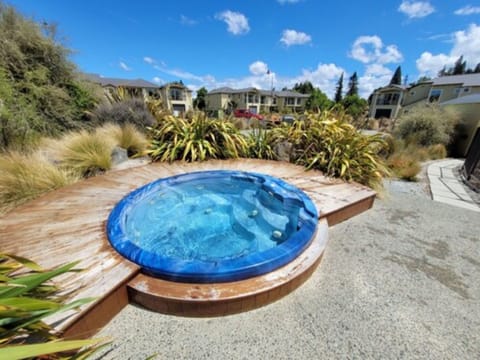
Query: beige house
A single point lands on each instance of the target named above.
(390, 101)
(133, 87)
(177, 97)
(255, 100)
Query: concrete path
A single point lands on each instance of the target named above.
(399, 281)
(446, 185)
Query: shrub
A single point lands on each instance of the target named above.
(127, 137)
(27, 296)
(200, 138)
(426, 125)
(86, 153)
(404, 165)
(437, 151)
(327, 142)
(25, 177)
(260, 144)
(128, 111)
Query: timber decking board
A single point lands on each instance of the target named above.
(69, 224)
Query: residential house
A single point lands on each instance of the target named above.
(386, 102)
(177, 97)
(134, 87)
(255, 100)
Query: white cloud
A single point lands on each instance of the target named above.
(157, 80)
(468, 10)
(185, 20)
(293, 37)
(325, 77)
(237, 22)
(149, 60)
(258, 68)
(124, 66)
(288, 1)
(375, 76)
(416, 9)
(465, 42)
(370, 49)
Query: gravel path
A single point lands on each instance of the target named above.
(398, 281)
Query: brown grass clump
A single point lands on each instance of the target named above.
(127, 137)
(25, 177)
(404, 165)
(437, 151)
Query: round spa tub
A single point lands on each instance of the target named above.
(212, 226)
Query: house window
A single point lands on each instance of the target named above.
(466, 89)
(262, 100)
(299, 101)
(412, 93)
(456, 91)
(388, 99)
(434, 95)
(274, 101)
(290, 101)
(177, 94)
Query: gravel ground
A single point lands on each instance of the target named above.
(398, 281)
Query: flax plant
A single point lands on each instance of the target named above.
(195, 139)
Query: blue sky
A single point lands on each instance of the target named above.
(234, 43)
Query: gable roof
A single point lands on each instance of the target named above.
(464, 80)
(283, 93)
(116, 82)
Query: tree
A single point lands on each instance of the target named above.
(353, 85)
(397, 77)
(200, 101)
(304, 88)
(339, 90)
(355, 106)
(477, 69)
(318, 100)
(459, 67)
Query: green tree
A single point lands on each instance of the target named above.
(339, 90)
(477, 69)
(355, 106)
(318, 100)
(304, 88)
(200, 101)
(459, 67)
(353, 85)
(397, 77)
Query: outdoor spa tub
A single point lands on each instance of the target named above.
(212, 226)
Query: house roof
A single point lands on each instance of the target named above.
(105, 81)
(468, 99)
(464, 80)
(391, 87)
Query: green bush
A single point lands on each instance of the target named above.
(426, 125)
(25, 177)
(327, 142)
(261, 144)
(128, 111)
(200, 139)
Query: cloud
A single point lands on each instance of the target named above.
(258, 68)
(416, 9)
(288, 1)
(157, 80)
(237, 22)
(149, 60)
(468, 10)
(124, 66)
(465, 42)
(370, 49)
(375, 76)
(293, 37)
(325, 77)
(185, 20)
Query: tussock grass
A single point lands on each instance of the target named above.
(127, 137)
(25, 177)
(404, 165)
(437, 151)
(86, 153)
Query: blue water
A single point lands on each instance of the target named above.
(210, 220)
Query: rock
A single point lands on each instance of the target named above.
(283, 150)
(118, 155)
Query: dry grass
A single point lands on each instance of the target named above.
(25, 177)
(437, 151)
(404, 165)
(127, 137)
(86, 153)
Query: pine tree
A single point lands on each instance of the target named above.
(353, 85)
(397, 77)
(460, 66)
(477, 69)
(339, 89)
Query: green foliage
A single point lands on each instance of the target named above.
(198, 138)
(25, 177)
(339, 90)
(397, 76)
(27, 296)
(426, 125)
(355, 106)
(327, 142)
(39, 88)
(128, 111)
(86, 153)
(260, 144)
(200, 101)
(353, 85)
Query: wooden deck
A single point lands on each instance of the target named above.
(69, 224)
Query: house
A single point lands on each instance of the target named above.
(177, 97)
(255, 100)
(386, 102)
